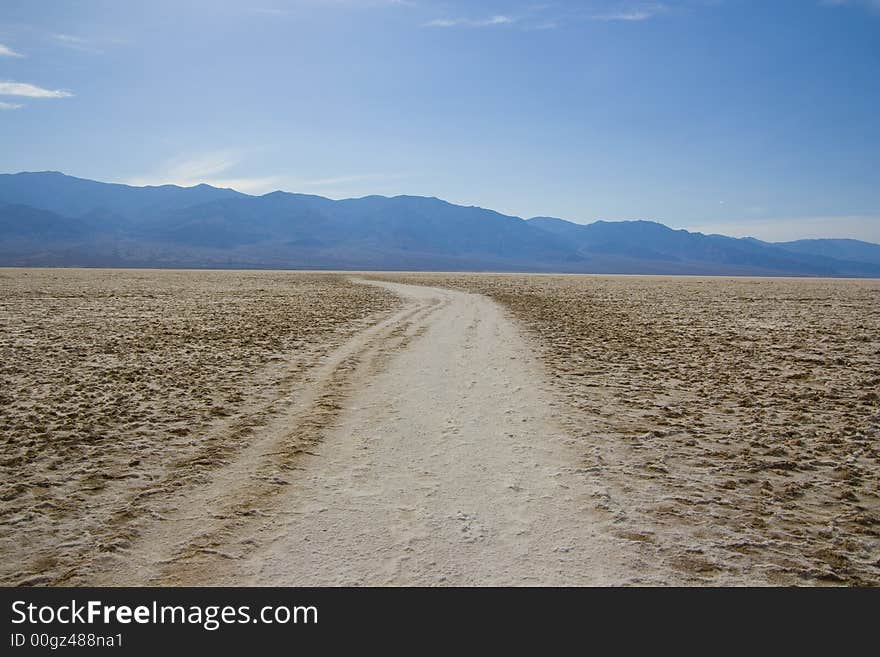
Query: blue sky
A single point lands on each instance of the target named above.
(744, 117)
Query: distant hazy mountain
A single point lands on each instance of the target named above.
(53, 219)
(660, 248)
(852, 250)
(73, 197)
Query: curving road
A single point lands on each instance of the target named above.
(446, 467)
(426, 453)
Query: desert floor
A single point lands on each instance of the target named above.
(297, 428)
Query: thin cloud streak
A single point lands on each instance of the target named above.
(244, 185)
(207, 168)
(10, 106)
(77, 43)
(547, 17)
(6, 51)
(217, 168)
(624, 16)
(631, 13)
(492, 21)
(30, 90)
(203, 166)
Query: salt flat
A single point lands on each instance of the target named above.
(438, 429)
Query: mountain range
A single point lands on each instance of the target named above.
(51, 219)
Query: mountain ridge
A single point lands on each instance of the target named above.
(49, 218)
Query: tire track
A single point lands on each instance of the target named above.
(187, 528)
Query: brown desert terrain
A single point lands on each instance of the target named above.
(286, 428)
(121, 387)
(730, 426)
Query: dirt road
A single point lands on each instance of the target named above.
(431, 457)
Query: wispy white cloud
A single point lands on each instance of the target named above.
(6, 51)
(30, 91)
(246, 185)
(491, 21)
(78, 43)
(639, 15)
(212, 168)
(204, 165)
(630, 13)
(221, 168)
(550, 16)
(9, 106)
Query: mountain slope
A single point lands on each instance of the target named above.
(852, 250)
(24, 222)
(52, 219)
(73, 197)
(651, 242)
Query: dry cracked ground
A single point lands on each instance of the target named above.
(725, 431)
(118, 388)
(731, 426)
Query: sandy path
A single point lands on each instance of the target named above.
(445, 468)
(439, 463)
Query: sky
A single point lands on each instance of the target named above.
(740, 117)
